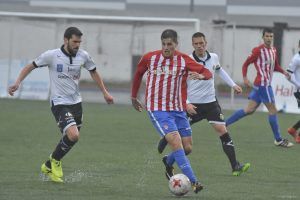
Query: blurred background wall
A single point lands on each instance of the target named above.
(232, 28)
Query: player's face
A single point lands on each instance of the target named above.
(199, 44)
(268, 39)
(168, 47)
(73, 44)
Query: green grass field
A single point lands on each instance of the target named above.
(116, 157)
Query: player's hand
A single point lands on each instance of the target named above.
(237, 89)
(191, 109)
(11, 89)
(195, 76)
(108, 98)
(287, 75)
(247, 82)
(136, 104)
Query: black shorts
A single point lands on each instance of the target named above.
(210, 111)
(67, 115)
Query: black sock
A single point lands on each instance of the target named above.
(228, 148)
(297, 125)
(63, 147)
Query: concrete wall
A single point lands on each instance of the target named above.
(112, 44)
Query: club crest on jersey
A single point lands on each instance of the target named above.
(59, 67)
(166, 126)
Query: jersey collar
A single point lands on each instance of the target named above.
(67, 54)
(199, 60)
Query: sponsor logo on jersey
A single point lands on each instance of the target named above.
(71, 69)
(165, 71)
(62, 76)
(59, 67)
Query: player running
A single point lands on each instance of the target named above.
(64, 66)
(294, 70)
(264, 58)
(165, 98)
(202, 103)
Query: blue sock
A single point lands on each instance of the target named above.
(235, 116)
(275, 127)
(171, 159)
(184, 164)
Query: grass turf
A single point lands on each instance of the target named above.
(116, 157)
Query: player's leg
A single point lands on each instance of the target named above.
(215, 117)
(269, 101)
(229, 150)
(253, 103)
(68, 118)
(192, 119)
(182, 160)
(273, 121)
(165, 124)
(293, 131)
(175, 142)
(187, 143)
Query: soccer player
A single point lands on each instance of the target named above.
(202, 102)
(294, 70)
(64, 66)
(264, 58)
(167, 70)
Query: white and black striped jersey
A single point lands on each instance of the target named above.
(64, 72)
(203, 91)
(294, 70)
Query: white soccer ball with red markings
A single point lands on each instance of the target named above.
(179, 184)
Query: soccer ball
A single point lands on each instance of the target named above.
(179, 184)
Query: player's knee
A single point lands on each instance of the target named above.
(249, 111)
(174, 140)
(188, 149)
(73, 133)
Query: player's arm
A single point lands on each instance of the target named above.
(136, 83)
(295, 63)
(227, 79)
(23, 74)
(251, 59)
(192, 66)
(97, 78)
(278, 68)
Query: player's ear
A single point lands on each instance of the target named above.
(65, 40)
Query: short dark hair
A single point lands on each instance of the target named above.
(72, 31)
(198, 34)
(267, 30)
(169, 33)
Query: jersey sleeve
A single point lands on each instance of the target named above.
(217, 62)
(224, 75)
(44, 59)
(139, 73)
(277, 67)
(89, 62)
(251, 59)
(293, 65)
(196, 67)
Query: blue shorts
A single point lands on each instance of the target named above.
(169, 121)
(262, 94)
